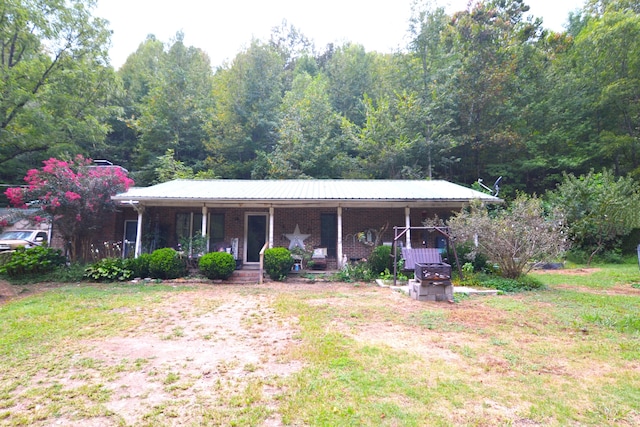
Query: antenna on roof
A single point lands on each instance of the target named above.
(496, 186)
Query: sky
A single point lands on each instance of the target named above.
(222, 28)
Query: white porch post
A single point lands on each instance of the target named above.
(407, 223)
(271, 211)
(205, 213)
(340, 255)
(138, 251)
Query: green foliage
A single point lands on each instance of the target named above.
(380, 260)
(165, 263)
(278, 263)
(599, 208)
(509, 285)
(359, 272)
(57, 89)
(466, 254)
(514, 237)
(108, 270)
(36, 260)
(217, 265)
(139, 266)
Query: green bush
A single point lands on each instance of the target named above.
(278, 263)
(165, 263)
(217, 265)
(108, 270)
(492, 281)
(359, 272)
(139, 266)
(381, 259)
(36, 260)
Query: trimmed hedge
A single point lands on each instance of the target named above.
(166, 263)
(278, 263)
(217, 265)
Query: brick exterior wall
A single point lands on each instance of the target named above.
(161, 222)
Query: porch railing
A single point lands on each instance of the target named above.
(264, 248)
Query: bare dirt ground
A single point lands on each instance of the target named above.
(197, 351)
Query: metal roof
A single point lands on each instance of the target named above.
(303, 192)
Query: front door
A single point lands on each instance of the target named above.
(329, 233)
(130, 234)
(255, 236)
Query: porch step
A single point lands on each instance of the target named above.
(245, 276)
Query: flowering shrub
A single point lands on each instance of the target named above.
(73, 194)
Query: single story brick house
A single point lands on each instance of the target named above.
(240, 216)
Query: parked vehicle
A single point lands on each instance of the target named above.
(11, 240)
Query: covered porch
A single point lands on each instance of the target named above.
(347, 218)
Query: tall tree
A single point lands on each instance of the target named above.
(484, 39)
(246, 113)
(174, 111)
(55, 82)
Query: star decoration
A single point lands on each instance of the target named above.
(296, 239)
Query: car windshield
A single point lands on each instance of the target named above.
(15, 235)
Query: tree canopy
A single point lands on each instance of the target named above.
(485, 92)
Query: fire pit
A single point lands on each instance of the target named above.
(432, 282)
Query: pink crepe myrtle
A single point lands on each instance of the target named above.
(74, 194)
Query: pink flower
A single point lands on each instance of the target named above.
(71, 196)
(14, 194)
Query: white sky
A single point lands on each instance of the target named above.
(223, 27)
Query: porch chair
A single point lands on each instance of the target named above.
(319, 259)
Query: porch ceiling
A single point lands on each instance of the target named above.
(304, 193)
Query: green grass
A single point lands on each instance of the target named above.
(565, 355)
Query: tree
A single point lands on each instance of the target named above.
(599, 208)
(174, 112)
(247, 96)
(74, 194)
(55, 82)
(512, 237)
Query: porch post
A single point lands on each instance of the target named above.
(205, 212)
(407, 223)
(340, 237)
(138, 251)
(271, 210)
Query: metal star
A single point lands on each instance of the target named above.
(296, 238)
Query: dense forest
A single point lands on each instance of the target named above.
(481, 93)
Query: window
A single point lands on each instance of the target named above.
(216, 230)
(188, 225)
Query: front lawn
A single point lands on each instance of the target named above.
(328, 354)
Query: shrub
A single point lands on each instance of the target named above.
(381, 259)
(354, 273)
(139, 266)
(217, 265)
(520, 284)
(36, 260)
(108, 270)
(166, 264)
(278, 263)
